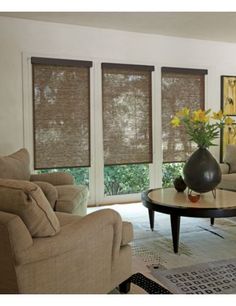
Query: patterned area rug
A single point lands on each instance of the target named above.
(200, 243)
(217, 277)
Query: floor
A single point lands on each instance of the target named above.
(199, 241)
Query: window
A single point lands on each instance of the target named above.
(170, 171)
(180, 88)
(127, 127)
(126, 179)
(61, 113)
(127, 114)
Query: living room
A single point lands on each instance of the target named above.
(78, 43)
(26, 39)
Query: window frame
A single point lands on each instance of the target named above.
(155, 166)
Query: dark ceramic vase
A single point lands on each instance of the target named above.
(201, 171)
(179, 184)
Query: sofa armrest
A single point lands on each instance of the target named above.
(98, 233)
(72, 199)
(13, 230)
(127, 233)
(15, 238)
(224, 168)
(54, 178)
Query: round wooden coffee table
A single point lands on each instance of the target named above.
(177, 204)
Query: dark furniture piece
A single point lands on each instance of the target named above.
(177, 204)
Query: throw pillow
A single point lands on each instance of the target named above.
(27, 200)
(49, 191)
(230, 157)
(15, 166)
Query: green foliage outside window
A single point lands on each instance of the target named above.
(126, 179)
(169, 172)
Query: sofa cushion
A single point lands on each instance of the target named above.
(27, 200)
(230, 157)
(49, 191)
(15, 166)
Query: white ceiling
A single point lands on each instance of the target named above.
(217, 26)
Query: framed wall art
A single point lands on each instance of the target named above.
(228, 136)
(228, 94)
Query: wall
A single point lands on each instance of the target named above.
(21, 37)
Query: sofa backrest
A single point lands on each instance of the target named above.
(15, 166)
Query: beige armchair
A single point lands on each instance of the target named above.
(59, 188)
(42, 251)
(228, 169)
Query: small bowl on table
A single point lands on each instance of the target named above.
(193, 197)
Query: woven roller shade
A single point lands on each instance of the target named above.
(61, 113)
(127, 113)
(180, 88)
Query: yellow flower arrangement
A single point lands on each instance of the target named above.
(202, 126)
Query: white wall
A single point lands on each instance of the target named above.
(23, 37)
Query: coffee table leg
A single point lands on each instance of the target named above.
(151, 218)
(175, 225)
(212, 221)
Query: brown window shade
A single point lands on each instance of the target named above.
(180, 88)
(127, 113)
(61, 113)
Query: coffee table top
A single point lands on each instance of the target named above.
(168, 200)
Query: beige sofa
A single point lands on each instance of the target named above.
(59, 188)
(228, 169)
(42, 251)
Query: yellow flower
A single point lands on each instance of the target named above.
(218, 115)
(184, 112)
(229, 121)
(200, 116)
(199, 127)
(175, 121)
